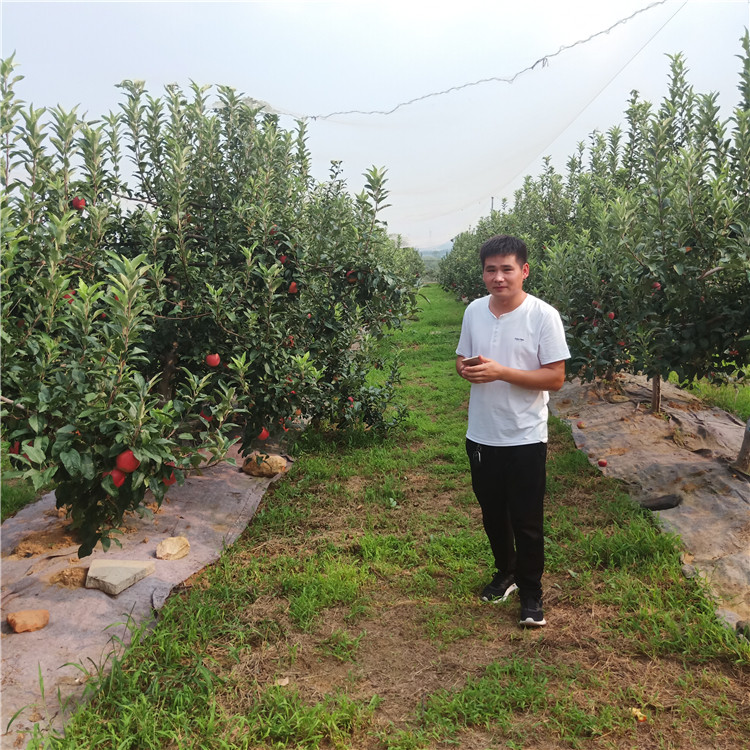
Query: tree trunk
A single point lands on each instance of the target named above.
(169, 365)
(656, 394)
(743, 457)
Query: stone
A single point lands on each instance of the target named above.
(28, 620)
(689, 570)
(262, 465)
(662, 502)
(114, 576)
(173, 548)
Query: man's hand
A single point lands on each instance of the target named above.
(485, 372)
(549, 377)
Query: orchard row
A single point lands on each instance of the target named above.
(644, 244)
(173, 280)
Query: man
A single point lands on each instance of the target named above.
(520, 344)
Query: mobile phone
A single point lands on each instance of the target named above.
(471, 361)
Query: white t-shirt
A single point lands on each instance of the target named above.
(526, 338)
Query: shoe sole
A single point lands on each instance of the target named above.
(497, 599)
(529, 623)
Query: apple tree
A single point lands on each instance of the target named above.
(174, 280)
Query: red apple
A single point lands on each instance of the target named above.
(69, 295)
(207, 417)
(293, 288)
(611, 315)
(118, 477)
(581, 425)
(656, 285)
(127, 461)
(602, 462)
(171, 479)
(79, 203)
(212, 360)
(15, 449)
(351, 277)
(282, 259)
(273, 230)
(264, 434)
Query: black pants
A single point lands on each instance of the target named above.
(509, 482)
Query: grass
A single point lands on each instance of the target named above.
(15, 494)
(347, 615)
(734, 398)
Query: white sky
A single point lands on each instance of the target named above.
(447, 156)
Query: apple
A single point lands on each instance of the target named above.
(69, 295)
(621, 343)
(263, 434)
(273, 230)
(611, 315)
(293, 288)
(79, 203)
(581, 425)
(207, 417)
(656, 285)
(118, 477)
(212, 360)
(595, 303)
(602, 462)
(171, 479)
(282, 259)
(127, 461)
(15, 449)
(351, 277)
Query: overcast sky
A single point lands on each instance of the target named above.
(448, 156)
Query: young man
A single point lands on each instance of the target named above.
(520, 342)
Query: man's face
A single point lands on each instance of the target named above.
(504, 277)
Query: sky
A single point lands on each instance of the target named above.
(450, 157)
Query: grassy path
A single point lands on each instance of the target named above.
(347, 615)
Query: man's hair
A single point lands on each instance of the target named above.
(504, 244)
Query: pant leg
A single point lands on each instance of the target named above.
(509, 483)
(489, 488)
(526, 483)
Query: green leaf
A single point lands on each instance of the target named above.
(87, 466)
(35, 454)
(71, 461)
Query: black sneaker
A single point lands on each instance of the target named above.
(531, 612)
(500, 588)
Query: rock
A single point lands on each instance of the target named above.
(114, 576)
(689, 570)
(662, 502)
(173, 548)
(28, 620)
(262, 465)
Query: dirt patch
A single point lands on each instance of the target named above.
(70, 578)
(43, 542)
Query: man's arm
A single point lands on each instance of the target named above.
(549, 377)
